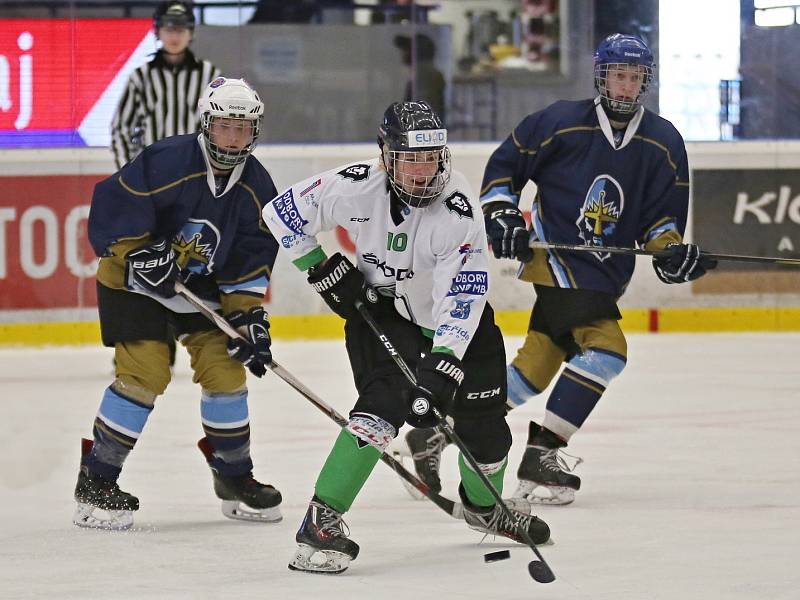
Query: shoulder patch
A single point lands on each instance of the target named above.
(355, 172)
(458, 204)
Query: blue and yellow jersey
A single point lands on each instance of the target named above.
(595, 186)
(224, 250)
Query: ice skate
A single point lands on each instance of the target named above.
(425, 447)
(494, 521)
(323, 545)
(101, 504)
(243, 497)
(544, 474)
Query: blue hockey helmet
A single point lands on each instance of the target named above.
(413, 142)
(617, 53)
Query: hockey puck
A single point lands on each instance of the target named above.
(495, 556)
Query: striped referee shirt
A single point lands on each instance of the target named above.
(159, 101)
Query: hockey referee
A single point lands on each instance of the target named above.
(160, 99)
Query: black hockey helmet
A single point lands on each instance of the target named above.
(174, 13)
(413, 134)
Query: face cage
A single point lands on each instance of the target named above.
(425, 195)
(621, 107)
(222, 158)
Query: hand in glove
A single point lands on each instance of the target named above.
(685, 262)
(254, 351)
(340, 284)
(438, 377)
(154, 268)
(507, 232)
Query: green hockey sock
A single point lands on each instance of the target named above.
(477, 493)
(345, 471)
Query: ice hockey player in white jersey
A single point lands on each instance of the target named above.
(421, 269)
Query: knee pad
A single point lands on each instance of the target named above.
(213, 369)
(598, 365)
(372, 430)
(489, 440)
(142, 370)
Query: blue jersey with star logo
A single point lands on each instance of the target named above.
(596, 186)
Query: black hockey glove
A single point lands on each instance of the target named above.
(684, 263)
(154, 268)
(255, 352)
(340, 284)
(507, 232)
(438, 377)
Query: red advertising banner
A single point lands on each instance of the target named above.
(45, 257)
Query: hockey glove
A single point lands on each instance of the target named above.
(154, 268)
(340, 284)
(684, 263)
(254, 351)
(438, 377)
(507, 232)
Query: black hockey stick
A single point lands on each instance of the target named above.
(454, 509)
(773, 260)
(539, 569)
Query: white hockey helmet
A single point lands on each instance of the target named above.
(235, 101)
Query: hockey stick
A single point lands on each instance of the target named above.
(539, 569)
(773, 260)
(454, 509)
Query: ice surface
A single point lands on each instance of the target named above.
(691, 487)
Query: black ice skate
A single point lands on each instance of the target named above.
(494, 521)
(425, 447)
(322, 543)
(101, 504)
(243, 497)
(544, 475)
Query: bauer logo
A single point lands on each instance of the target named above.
(430, 137)
(473, 283)
(287, 212)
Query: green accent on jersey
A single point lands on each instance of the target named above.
(477, 493)
(316, 256)
(428, 333)
(443, 350)
(345, 472)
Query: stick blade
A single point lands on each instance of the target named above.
(541, 572)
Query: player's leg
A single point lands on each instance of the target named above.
(544, 474)
(379, 412)
(142, 374)
(479, 415)
(226, 423)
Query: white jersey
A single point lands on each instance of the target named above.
(433, 261)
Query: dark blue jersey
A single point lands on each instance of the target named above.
(595, 186)
(221, 243)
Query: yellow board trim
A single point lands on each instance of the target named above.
(328, 327)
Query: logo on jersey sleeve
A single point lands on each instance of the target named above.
(195, 246)
(473, 283)
(355, 172)
(287, 211)
(462, 309)
(458, 204)
(600, 213)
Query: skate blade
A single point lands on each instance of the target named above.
(312, 560)
(401, 458)
(233, 509)
(553, 495)
(116, 520)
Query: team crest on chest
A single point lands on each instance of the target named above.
(601, 211)
(195, 246)
(355, 172)
(458, 204)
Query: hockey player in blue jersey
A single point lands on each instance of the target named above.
(608, 173)
(187, 208)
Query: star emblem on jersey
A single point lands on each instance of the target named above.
(458, 204)
(355, 172)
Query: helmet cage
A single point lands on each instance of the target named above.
(418, 196)
(226, 158)
(622, 107)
